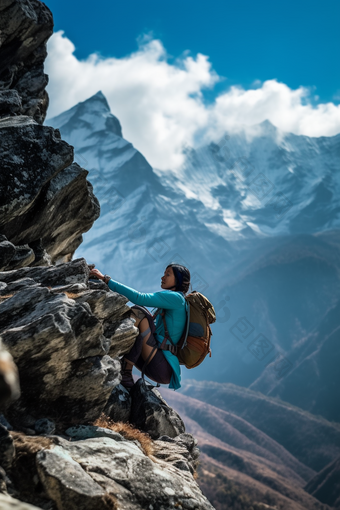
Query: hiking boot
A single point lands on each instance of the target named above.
(127, 379)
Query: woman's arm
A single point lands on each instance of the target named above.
(164, 299)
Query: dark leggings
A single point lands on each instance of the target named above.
(158, 369)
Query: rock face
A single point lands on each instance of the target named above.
(46, 204)
(53, 325)
(25, 27)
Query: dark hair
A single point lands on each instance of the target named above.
(182, 276)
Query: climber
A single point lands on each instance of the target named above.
(159, 365)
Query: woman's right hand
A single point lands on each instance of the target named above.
(97, 274)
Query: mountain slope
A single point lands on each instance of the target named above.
(312, 440)
(247, 458)
(325, 486)
(313, 383)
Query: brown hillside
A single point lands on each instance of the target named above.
(311, 439)
(257, 467)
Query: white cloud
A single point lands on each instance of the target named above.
(160, 105)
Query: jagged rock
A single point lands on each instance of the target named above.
(66, 483)
(58, 344)
(180, 451)
(7, 251)
(9, 380)
(122, 336)
(118, 407)
(21, 284)
(36, 182)
(3, 288)
(82, 474)
(105, 304)
(41, 257)
(14, 257)
(72, 288)
(150, 412)
(25, 27)
(9, 503)
(23, 256)
(31, 155)
(97, 285)
(10, 103)
(54, 276)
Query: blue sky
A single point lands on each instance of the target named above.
(296, 42)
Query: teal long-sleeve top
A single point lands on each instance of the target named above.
(174, 305)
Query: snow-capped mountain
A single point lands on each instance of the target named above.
(144, 222)
(229, 213)
(264, 181)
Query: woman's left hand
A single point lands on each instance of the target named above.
(97, 274)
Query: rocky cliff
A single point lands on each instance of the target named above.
(70, 436)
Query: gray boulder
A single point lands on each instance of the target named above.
(150, 412)
(66, 483)
(10, 103)
(181, 451)
(118, 407)
(92, 473)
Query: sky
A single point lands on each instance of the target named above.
(176, 73)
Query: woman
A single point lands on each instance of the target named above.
(159, 365)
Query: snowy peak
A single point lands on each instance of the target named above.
(93, 114)
(96, 99)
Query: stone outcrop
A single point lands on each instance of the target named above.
(106, 471)
(54, 324)
(146, 409)
(46, 203)
(150, 412)
(25, 27)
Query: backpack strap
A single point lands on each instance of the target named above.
(164, 346)
(183, 340)
(174, 349)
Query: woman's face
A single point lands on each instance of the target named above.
(168, 280)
